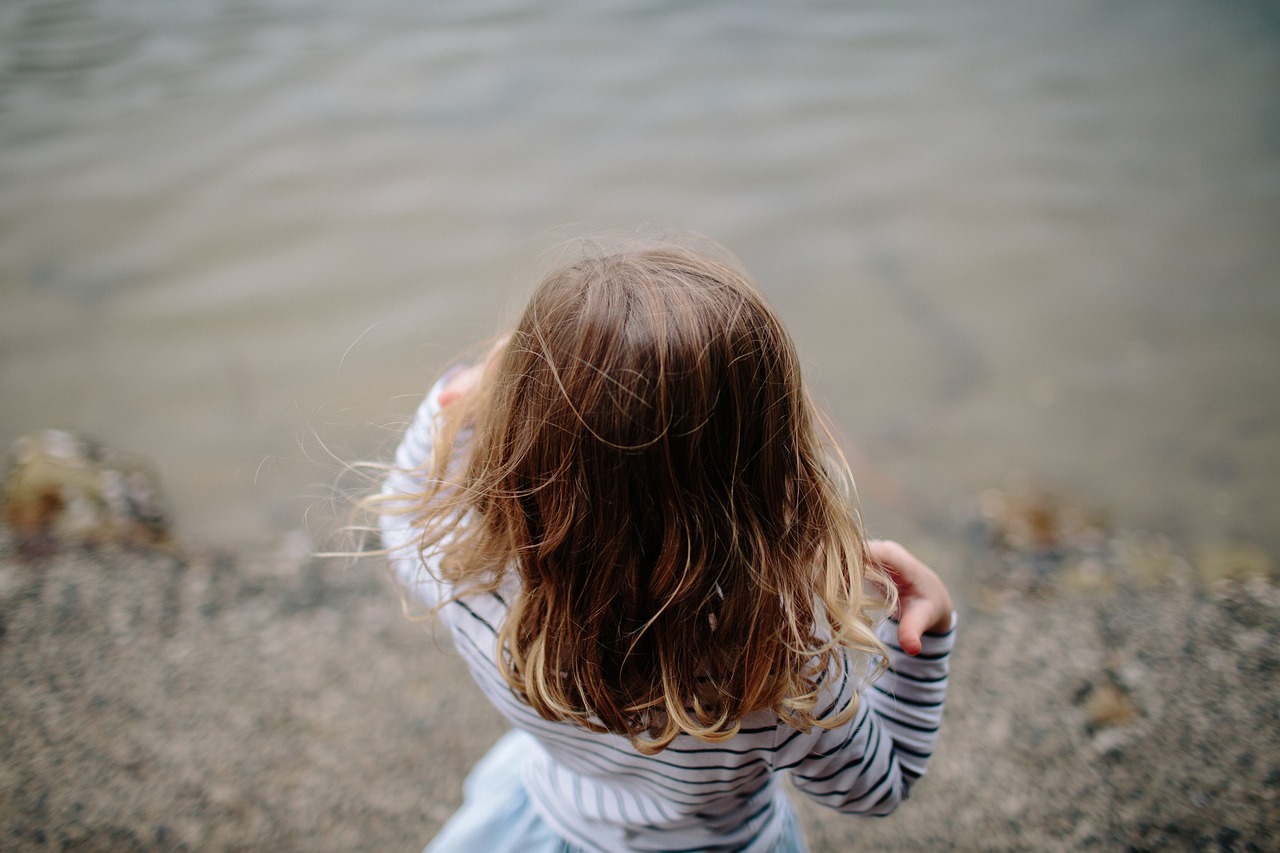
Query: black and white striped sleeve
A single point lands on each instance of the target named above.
(868, 765)
(401, 490)
(908, 698)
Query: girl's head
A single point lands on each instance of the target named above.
(645, 458)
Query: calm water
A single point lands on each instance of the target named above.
(1013, 239)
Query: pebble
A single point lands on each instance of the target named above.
(64, 488)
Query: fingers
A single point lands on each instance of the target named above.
(469, 377)
(915, 618)
(924, 601)
(901, 564)
(459, 385)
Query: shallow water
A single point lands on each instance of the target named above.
(1014, 240)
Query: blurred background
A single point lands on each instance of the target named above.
(1016, 242)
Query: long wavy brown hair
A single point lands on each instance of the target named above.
(644, 457)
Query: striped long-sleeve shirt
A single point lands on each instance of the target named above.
(598, 793)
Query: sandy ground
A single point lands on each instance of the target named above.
(271, 701)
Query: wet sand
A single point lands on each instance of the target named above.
(271, 701)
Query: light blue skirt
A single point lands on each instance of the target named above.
(497, 817)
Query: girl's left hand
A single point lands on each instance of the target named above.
(924, 603)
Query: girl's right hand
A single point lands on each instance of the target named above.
(924, 603)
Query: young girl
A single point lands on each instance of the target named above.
(632, 521)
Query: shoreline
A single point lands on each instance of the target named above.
(269, 700)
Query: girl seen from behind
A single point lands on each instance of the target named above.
(635, 525)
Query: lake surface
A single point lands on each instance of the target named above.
(1015, 241)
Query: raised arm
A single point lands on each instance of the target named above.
(869, 764)
(401, 491)
(407, 482)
